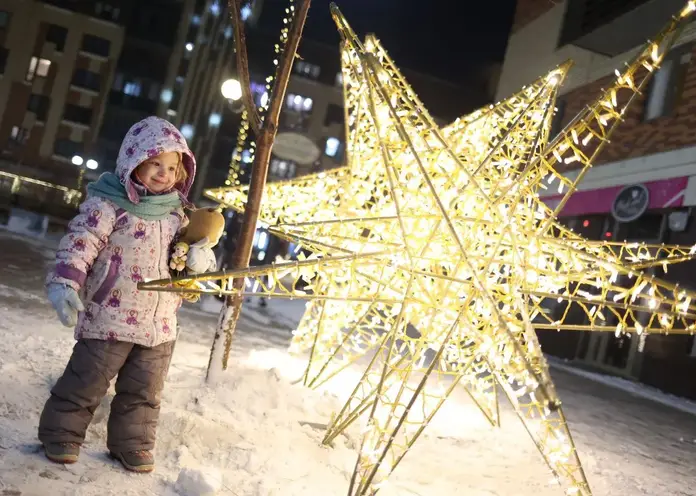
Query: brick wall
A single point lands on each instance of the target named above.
(636, 137)
(528, 10)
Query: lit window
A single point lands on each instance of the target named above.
(196, 20)
(262, 255)
(264, 99)
(19, 134)
(307, 104)
(215, 8)
(214, 120)
(167, 95)
(228, 32)
(132, 88)
(38, 68)
(332, 146)
(282, 168)
(246, 157)
(246, 12)
(307, 69)
(299, 103)
(187, 131)
(263, 240)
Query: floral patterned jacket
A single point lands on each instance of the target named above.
(108, 251)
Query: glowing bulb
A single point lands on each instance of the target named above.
(231, 89)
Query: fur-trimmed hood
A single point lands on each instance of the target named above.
(149, 138)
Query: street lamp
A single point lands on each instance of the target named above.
(231, 89)
(92, 164)
(77, 160)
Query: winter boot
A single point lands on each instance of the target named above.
(140, 461)
(62, 452)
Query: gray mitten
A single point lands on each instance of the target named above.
(66, 302)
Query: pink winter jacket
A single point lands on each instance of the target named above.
(107, 250)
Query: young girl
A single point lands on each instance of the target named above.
(121, 236)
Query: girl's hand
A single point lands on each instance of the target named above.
(66, 302)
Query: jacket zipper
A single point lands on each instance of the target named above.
(157, 295)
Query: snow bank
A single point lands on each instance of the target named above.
(199, 482)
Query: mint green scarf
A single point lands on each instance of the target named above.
(151, 207)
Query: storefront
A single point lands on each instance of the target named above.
(652, 212)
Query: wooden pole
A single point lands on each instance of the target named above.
(265, 135)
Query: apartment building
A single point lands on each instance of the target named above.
(195, 103)
(56, 68)
(652, 156)
(94, 69)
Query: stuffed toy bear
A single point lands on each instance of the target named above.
(206, 227)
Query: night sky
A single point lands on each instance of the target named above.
(444, 38)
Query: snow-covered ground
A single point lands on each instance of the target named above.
(260, 434)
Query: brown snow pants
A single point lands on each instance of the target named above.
(135, 408)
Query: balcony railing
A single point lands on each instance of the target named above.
(39, 191)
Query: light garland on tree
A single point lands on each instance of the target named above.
(434, 249)
(236, 171)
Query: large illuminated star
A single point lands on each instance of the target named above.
(357, 190)
(460, 263)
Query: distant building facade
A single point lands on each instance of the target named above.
(56, 68)
(77, 75)
(653, 149)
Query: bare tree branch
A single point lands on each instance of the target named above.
(227, 325)
(243, 66)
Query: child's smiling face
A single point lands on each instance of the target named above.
(159, 174)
